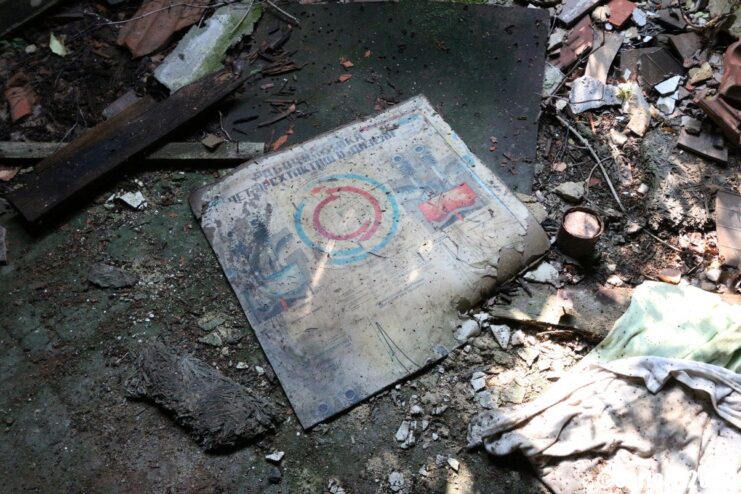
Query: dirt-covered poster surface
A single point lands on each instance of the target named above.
(353, 253)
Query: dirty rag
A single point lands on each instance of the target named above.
(640, 424)
(673, 321)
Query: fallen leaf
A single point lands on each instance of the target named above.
(367, 54)
(344, 77)
(7, 173)
(345, 62)
(57, 46)
(279, 142)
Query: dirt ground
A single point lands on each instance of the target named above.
(67, 346)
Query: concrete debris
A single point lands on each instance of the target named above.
(700, 74)
(416, 411)
(691, 125)
(668, 86)
(518, 338)
(468, 329)
(552, 78)
(405, 434)
(224, 335)
(454, 464)
(666, 104)
(502, 334)
(210, 322)
(134, 200)
(478, 381)
(639, 17)
(396, 481)
(637, 108)
(107, 276)
(275, 456)
(217, 411)
(202, 49)
(242, 366)
(544, 273)
(572, 192)
(486, 400)
(588, 93)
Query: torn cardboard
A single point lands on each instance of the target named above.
(352, 254)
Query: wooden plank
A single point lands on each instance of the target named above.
(103, 148)
(228, 153)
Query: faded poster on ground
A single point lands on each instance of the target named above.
(352, 254)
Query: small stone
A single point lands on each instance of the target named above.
(454, 464)
(617, 137)
(435, 436)
(666, 104)
(31, 49)
(486, 400)
(518, 338)
(134, 200)
(468, 329)
(572, 192)
(212, 339)
(514, 393)
(668, 86)
(274, 475)
(210, 322)
(275, 456)
(478, 381)
(396, 481)
(260, 371)
(700, 74)
(670, 275)
(106, 276)
(402, 433)
(713, 274)
(482, 317)
(643, 189)
(691, 125)
(416, 410)
(528, 354)
(502, 334)
(241, 365)
(615, 280)
(544, 273)
(212, 141)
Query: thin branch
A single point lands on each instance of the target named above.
(596, 158)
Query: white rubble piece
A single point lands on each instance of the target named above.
(478, 381)
(134, 200)
(202, 49)
(544, 273)
(468, 329)
(639, 17)
(668, 86)
(666, 104)
(518, 338)
(396, 481)
(275, 456)
(454, 464)
(637, 107)
(572, 192)
(502, 334)
(552, 78)
(588, 93)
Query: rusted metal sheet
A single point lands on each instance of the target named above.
(228, 153)
(620, 12)
(728, 226)
(353, 253)
(155, 22)
(725, 108)
(577, 42)
(106, 146)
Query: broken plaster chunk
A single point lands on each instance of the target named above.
(617, 137)
(588, 93)
(502, 334)
(454, 464)
(544, 273)
(468, 329)
(700, 74)
(518, 338)
(396, 481)
(416, 410)
(666, 104)
(572, 192)
(275, 456)
(668, 86)
(134, 200)
(478, 381)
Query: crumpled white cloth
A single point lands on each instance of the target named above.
(640, 424)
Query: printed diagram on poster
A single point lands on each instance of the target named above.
(352, 254)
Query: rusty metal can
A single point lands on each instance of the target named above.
(580, 230)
